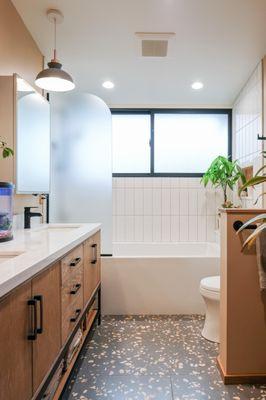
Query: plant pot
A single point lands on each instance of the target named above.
(6, 211)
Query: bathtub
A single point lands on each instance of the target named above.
(157, 278)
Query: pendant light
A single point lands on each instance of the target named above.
(54, 79)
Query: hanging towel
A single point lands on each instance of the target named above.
(261, 258)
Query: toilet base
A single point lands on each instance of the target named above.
(211, 329)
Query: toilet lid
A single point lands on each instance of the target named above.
(211, 283)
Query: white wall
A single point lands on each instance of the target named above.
(164, 210)
(247, 124)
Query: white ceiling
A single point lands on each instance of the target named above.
(217, 41)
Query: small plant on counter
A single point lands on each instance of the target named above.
(6, 151)
(225, 174)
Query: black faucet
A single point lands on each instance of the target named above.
(27, 216)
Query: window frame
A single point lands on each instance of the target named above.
(151, 112)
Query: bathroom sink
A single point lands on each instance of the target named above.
(7, 255)
(59, 228)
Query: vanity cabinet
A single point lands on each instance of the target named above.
(92, 265)
(15, 348)
(39, 319)
(46, 290)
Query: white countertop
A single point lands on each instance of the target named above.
(38, 248)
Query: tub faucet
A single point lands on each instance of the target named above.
(27, 216)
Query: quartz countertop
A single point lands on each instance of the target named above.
(32, 250)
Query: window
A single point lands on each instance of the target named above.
(169, 142)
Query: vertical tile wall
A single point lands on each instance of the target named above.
(164, 210)
(247, 124)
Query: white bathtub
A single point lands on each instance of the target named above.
(157, 278)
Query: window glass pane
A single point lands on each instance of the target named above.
(188, 142)
(131, 149)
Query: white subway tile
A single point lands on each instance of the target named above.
(129, 182)
(175, 202)
(157, 182)
(157, 229)
(129, 229)
(202, 228)
(210, 196)
(147, 228)
(166, 229)
(166, 182)
(157, 201)
(119, 182)
(139, 201)
(183, 202)
(192, 228)
(114, 229)
(174, 182)
(202, 202)
(120, 229)
(147, 201)
(138, 182)
(183, 229)
(129, 201)
(192, 202)
(139, 231)
(166, 201)
(211, 228)
(175, 224)
(114, 201)
(147, 182)
(120, 201)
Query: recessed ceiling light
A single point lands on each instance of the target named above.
(108, 85)
(197, 85)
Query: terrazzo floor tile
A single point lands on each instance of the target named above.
(152, 357)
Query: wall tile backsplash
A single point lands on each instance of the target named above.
(164, 210)
(247, 124)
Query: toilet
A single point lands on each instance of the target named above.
(210, 291)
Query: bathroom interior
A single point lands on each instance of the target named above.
(132, 199)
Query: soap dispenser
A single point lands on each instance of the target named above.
(6, 211)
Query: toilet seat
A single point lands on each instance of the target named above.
(211, 283)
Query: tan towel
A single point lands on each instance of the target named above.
(261, 258)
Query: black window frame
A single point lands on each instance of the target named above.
(151, 112)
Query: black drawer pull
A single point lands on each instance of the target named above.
(33, 304)
(77, 312)
(94, 248)
(75, 288)
(75, 261)
(39, 299)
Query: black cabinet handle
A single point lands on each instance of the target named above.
(77, 312)
(39, 299)
(94, 248)
(74, 262)
(75, 288)
(33, 304)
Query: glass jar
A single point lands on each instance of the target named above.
(6, 211)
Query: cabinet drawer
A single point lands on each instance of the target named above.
(71, 263)
(72, 289)
(92, 265)
(70, 315)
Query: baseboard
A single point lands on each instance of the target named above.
(237, 379)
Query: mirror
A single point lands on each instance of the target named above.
(32, 141)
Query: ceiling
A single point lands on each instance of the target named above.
(217, 42)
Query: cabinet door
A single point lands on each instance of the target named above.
(92, 265)
(46, 290)
(15, 348)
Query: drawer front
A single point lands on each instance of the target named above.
(70, 315)
(92, 265)
(71, 263)
(72, 289)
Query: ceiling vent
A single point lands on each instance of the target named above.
(154, 44)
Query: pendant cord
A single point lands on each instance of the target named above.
(54, 38)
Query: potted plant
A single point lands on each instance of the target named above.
(6, 199)
(225, 174)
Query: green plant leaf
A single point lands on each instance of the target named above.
(250, 240)
(260, 217)
(256, 180)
